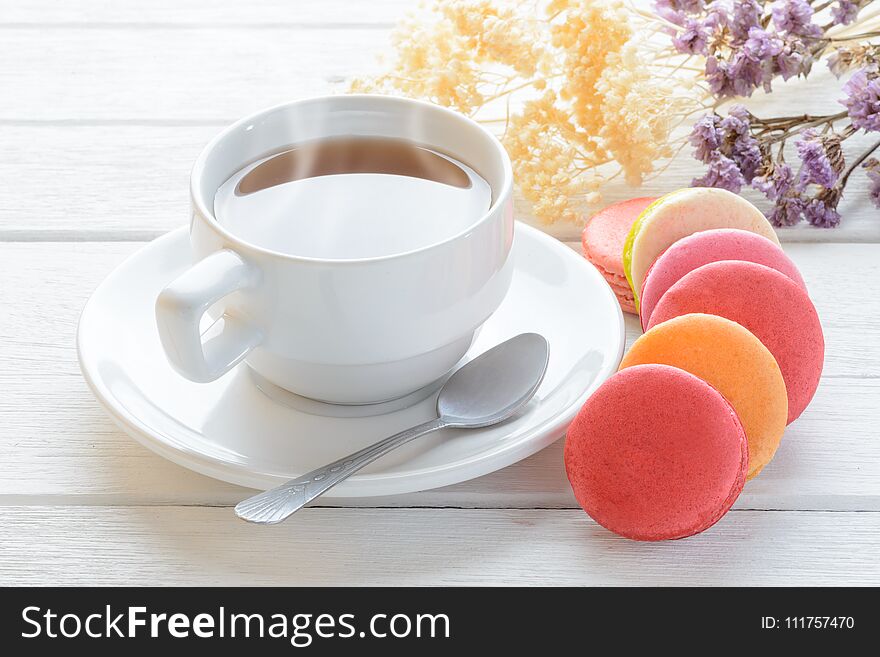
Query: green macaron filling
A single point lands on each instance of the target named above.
(630, 240)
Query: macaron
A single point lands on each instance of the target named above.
(656, 453)
(682, 213)
(770, 305)
(732, 360)
(603, 239)
(707, 246)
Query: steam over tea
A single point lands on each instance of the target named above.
(351, 197)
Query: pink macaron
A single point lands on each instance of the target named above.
(603, 239)
(770, 305)
(707, 246)
(656, 453)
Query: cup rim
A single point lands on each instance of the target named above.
(201, 208)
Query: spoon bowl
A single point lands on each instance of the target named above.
(495, 385)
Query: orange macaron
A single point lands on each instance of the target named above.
(770, 305)
(734, 362)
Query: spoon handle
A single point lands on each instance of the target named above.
(276, 504)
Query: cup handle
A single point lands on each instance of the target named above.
(179, 310)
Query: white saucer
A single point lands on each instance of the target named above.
(231, 430)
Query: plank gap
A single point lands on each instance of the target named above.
(14, 503)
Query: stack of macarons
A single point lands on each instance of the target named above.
(732, 353)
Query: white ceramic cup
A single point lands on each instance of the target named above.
(352, 331)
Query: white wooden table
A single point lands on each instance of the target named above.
(103, 107)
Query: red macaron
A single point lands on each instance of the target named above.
(656, 453)
(767, 303)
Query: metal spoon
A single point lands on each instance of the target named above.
(485, 391)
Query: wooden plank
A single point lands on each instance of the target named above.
(269, 13)
(205, 546)
(185, 74)
(63, 74)
(57, 445)
(131, 182)
(89, 182)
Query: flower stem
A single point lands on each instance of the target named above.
(787, 130)
(858, 161)
(855, 37)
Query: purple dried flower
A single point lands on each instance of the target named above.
(705, 137)
(693, 39)
(737, 122)
(817, 166)
(795, 17)
(692, 6)
(684, 6)
(746, 16)
(845, 12)
(748, 157)
(793, 59)
(718, 78)
(739, 76)
(762, 44)
(722, 173)
(775, 183)
(789, 64)
(677, 11)
(862, 100)
(742, 147)
(746, 72)
(822, 210)
(788, 211)
(872, 167)
(743, 72)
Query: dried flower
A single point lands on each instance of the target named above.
(722, 172)
(748, 45)
(844, 12)
(813, 150)
(793, 59)
(862, 100)
(846, 58)
(682, 6)
(872, 167)
(821, 210)
(776, 181)
(795, 17)
(676, 11)
(737, 124)
(706, 137)
(584, 90)
(693, 39)
(788, 210)
(762, 44)
(746, 17)
(575, 89)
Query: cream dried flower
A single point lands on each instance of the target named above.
(579, 90)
